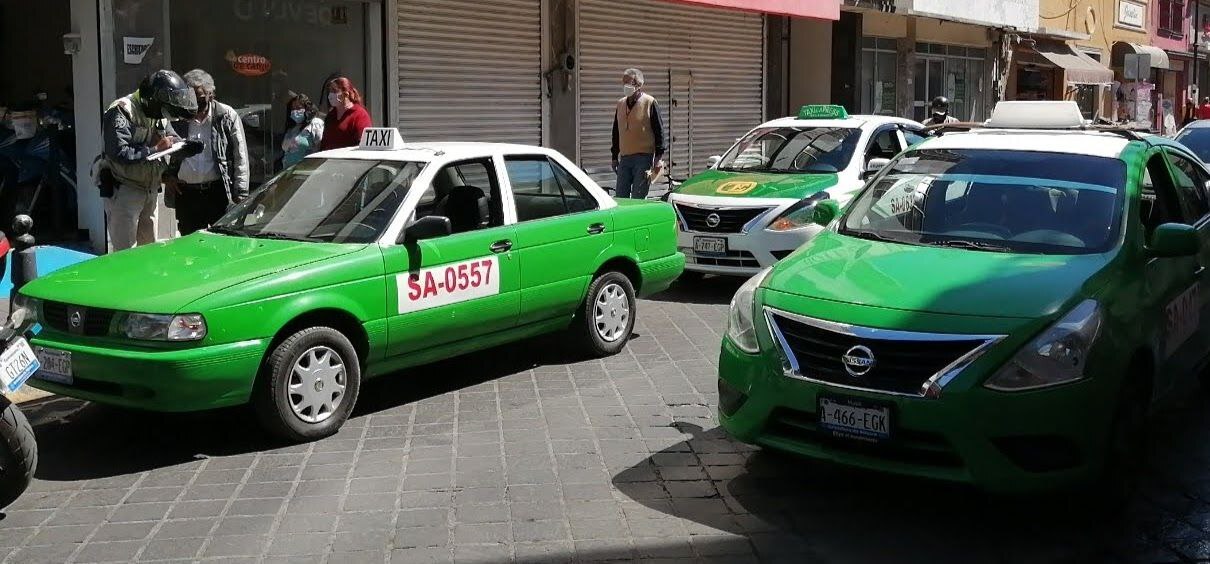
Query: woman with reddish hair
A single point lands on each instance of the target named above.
(347, 118)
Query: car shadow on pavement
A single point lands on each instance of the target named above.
(711, 290)
(801, 510)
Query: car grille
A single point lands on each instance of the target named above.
(903, 362)
(741, 259)
(730, 220)
(94, 322)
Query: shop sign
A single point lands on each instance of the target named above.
(1131, 14)
(311, 12)
(1017, 14)
(249, 64)
(135, 48)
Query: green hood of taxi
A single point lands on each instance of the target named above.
(795, 186)
(938, 280)
(164, 277)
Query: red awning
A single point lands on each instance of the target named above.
(819, 9)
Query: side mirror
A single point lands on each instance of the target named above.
(872, 167)
(429, 227)
(825, 212)
(1174, 240)
(712, 161)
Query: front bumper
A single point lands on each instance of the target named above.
(747, 253)
(1000, 442)
(187, 379)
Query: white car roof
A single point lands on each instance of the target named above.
(430, 151)
(1091, 143)
(853, 121)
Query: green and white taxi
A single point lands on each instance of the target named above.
(1001, 306)
(352, 264)
(753, 206)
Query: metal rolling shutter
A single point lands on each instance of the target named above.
(470, 70)
(722, 50)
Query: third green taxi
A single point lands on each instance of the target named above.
(1002, 306)
(353, 264)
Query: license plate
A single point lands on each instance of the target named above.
(855, 419)
(17, 364)
(710, 245)
(56, 366)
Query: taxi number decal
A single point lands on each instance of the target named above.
(448, 284)
(1183, 315)
(735, 187)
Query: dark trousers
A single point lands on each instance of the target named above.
(198, 206)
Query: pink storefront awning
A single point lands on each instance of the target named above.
(818, 9)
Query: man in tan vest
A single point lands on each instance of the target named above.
(638, 138)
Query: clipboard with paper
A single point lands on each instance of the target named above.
(174, 148)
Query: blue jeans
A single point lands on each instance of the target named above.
(632, 176)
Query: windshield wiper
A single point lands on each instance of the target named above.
(975, 245)
(224, 230)
(281, 236)
(873, 235)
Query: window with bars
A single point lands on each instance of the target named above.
(1172, 18)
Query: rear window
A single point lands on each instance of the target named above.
(1198, 141)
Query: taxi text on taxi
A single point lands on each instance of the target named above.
(1001, 306)
(754, 205)
(352, 264)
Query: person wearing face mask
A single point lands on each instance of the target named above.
(638, 138)
(134, 127)
(347, 118)
(939, 110)
(206, 184)
(304, 130)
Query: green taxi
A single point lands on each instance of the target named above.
(353, 264)
(1002, 306)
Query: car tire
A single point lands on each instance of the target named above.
(18, 453)
(1126, 446)
(606, 318)
(310, 385)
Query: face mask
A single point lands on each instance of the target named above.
(334, 100)
(629, 89)
(298, 115)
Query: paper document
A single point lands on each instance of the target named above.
(174, 148)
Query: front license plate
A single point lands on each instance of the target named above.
(855, 419)
(710, 245)
(56, 366)
(17, 364)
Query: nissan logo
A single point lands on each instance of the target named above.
(75, 319)
(713, 220)
(858, 361)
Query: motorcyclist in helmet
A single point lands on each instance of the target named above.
(134, 127)
(939, 110)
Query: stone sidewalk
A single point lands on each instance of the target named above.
(524, 453)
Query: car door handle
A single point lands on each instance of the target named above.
(1200, 269)
(501, 246)
(596, 228)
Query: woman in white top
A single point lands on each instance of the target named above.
(304, 130)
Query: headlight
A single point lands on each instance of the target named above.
(798, 215)
(740, 327)
(32, 305)
(153, 327)
(1057, 356)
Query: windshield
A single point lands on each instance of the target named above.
(328, 200)
(1198, 141)
(994, 200)
(793, 150)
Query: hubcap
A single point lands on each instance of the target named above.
(317, 384)
(611, 312)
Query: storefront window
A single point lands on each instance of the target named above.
(1086, 98)
(878, 74)
(954, 72)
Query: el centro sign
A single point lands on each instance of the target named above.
(249, 64)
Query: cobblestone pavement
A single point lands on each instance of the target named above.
(525, 453)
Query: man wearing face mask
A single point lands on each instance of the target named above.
(940, 112)
(134, 127)
(638, 138)
(207, 183)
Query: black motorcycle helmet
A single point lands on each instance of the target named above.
(940, 105)
(165, 94)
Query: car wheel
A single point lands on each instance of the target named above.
(1126, 448)
(311, 383)
(18, 453)
(606, 318)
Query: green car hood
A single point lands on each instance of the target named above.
(795, 186)
(935, 279)
(165, 277)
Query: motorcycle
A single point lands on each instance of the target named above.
(18, 449)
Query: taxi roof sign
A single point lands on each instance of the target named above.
(1036, 114)
(381, 139)
(822, 111)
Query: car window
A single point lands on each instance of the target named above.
(542, 188)
(1190, 182)
(795, 150)
(1158, 202)
(884, 144)
(1197, 139)
(913, 137)
(465, 192)
(330, 200)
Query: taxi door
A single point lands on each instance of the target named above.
(460, 286)
(1191, 180)
(560, 234)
